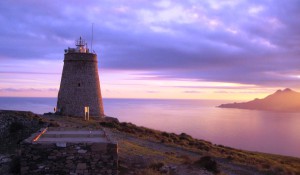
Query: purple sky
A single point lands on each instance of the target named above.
(232, 41)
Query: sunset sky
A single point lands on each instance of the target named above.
(208, 49)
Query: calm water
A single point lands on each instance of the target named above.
(270, 132)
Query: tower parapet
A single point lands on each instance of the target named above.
(80, 84)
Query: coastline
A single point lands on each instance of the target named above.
(142, 148)
(199, 118)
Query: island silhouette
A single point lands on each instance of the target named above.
(286, 100)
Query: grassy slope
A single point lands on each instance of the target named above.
(132, 142)
(264, 163)
(142, 147)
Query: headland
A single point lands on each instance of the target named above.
(145, 151)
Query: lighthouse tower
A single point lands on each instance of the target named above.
(80, 86)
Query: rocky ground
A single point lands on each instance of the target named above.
(150, 152)
(137, 153)
(15, 126)
(192, 156)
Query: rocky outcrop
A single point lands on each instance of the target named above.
(15, 126)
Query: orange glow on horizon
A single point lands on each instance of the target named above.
(134, 84)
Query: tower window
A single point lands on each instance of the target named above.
(78, 84)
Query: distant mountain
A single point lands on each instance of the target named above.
(285, 100)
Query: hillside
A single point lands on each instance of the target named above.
(151, 152)
(15, 126)
(285, 100)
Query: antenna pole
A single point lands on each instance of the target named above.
(92, 36)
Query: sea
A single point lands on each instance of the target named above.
(261, 131)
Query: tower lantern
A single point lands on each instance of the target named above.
(81, 46)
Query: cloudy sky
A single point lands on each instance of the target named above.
(208, 49)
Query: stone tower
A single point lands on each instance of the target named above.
(80, 85)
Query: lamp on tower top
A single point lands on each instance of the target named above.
(80, 43)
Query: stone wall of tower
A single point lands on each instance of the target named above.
(80, 86)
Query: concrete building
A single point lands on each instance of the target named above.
(79, 91)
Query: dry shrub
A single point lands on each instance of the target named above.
(208, 163)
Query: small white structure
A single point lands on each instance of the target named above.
(86, 113)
